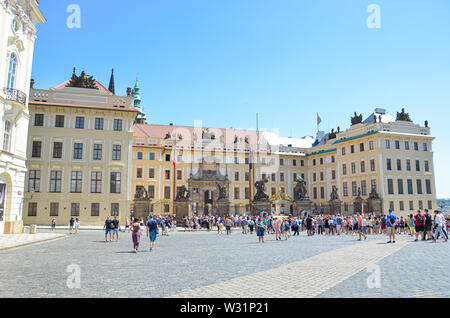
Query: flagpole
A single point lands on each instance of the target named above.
(174, 176)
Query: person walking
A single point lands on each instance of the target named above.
(136, 234)
(71, 224)
(53, 224)
(127, 225)
(391, 218)
(360, 227)
(439, 221)
(115, 228)
(428, 226)
(152, 232)
(108, 228)
(260, 230)
(420, 225)
(77, 225)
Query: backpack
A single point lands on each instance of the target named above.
(420, 218)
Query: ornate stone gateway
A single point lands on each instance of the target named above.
(207, 193)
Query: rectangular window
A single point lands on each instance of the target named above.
(76, 182)
(315, 193)
(410, 186)
(55, 181)
(140, 156)
(39, 120)
(416, 146)
(343, 151)
(363, 187)
(34, 180)
(167, 174)
(361, 147)
(402, 206)
(430, 205)
(419, 186)
(117, 124)
(7, 136)
(321, 176)
(388, 164)
(397, 144)
(78, 151)
(79, 123)
(427, 166)
(354, 189)
(294, 162)
(115, 182)
(281, 162)
(372, 165)
(97, 153)
(236, 176)
(36, 150)
(314, 177)
(411, 205)
(75, 209)
(388, 144)
(236, 193)
(314, 162)
(353, 168)
(167, 158)
(152, 156)
(352, 149)
(95, 209)
(428, 186)
(54, 209)
(59, 121)
(425, 146)
(400, 186)
(391, 205)
(116, 155)
(399, 165)
(371, 145)
(345, 189)
(114, 209)
(406, 145)
(247, 193)
(333, 174)
(373, 185)
(247, 176)
(99, 123)
(151, 191)
(151, 173)
(344, 169)
(166, 192)
(390, 186)
(321, 161)
(408, 165)
(322, 192)
(273, 177)
(363, 166)
(32, 209)
(417, 165)
(179, 175)
(96, 182)
(281, 177)
(57, 150)
(139, 173)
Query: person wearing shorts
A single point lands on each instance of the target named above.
(152, 232)
(107, 228)
(115, 229)
(391, 221)
(420, 224)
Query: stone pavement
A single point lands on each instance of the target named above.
(300, 279)
(9, 241)
(203, 264)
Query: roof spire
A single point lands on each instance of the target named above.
(137, 102)
(111, 87)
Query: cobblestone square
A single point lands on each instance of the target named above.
(203, 264)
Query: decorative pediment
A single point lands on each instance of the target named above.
(82, 81)
(14, 40)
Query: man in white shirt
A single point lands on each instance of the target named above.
(439, 221)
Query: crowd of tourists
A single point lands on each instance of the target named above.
(421, 226)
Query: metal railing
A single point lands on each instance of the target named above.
(15, 95)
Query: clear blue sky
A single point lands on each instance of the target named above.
(222, 61)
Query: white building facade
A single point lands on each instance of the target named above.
(18, 19)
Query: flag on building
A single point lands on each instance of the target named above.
(319, 120)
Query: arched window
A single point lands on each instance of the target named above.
(12, 71)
